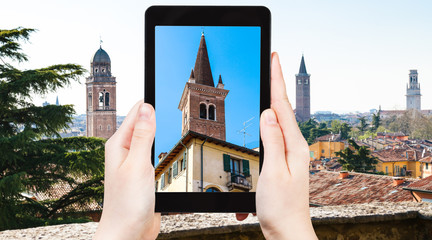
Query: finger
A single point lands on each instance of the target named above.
(241, 216)
(273, 142)
(117, 146)
(142, 137)
(281, 105)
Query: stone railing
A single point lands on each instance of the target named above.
(405, 220)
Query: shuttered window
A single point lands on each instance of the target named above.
(175, 169)
(162, 180)
(184, 161)
(246, 170)
(169, 175)
(226, 162)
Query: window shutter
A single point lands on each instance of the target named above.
(226, 162)
(162, 180)
(246, 170)
(184, 161)
(169, 175)
(175, 172)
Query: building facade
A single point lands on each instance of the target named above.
(302, 93)
(413, 96)
(326, 147)
(101, 97)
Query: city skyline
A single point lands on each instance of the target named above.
(358, 54)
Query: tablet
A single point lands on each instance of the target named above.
(207, 74)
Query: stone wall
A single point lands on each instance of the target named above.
(406, 220)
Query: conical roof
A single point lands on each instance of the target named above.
(302, 66)
(202, 70)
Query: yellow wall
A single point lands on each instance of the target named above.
(426, 172)
(413, 166)
(321, 149)
(213, 171)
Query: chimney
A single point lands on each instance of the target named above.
(343, 174)
(398, 181)
(162, 155)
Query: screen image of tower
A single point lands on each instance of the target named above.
(207, 82)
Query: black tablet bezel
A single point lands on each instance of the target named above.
(207, 16)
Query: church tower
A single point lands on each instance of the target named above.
(202, 104)
(302, 93)
(413, 96)
(101, 97)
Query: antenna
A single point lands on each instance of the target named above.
(243, 131)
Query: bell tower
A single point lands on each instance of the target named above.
(413, 96)
(302, 93)
(101, 97)
(202, 104)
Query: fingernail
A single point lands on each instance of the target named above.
(144, 112)
(270, 117)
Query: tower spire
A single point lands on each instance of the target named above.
(202, 70)
(302, 66)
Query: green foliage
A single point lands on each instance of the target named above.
(363, 125)
(376, 121)
(356, 158)
(29, 162)
(311, 130)
(412, 123)
(342, 128)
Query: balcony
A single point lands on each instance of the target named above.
(238, 181)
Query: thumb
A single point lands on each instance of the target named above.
(143, 135)
(273, 142)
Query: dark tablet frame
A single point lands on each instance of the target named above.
(207, 16)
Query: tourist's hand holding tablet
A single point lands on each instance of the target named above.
(282, 192)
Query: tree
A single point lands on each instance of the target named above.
(30, 161)
(376, 121)
(363, 124)
(342, 128)
(312, 130)
(356, 158)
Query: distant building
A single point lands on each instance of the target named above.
(401, 161)
(326, 147)
(45, 104)
(101, 97)
(302, 93)
(413, 96)
(57, 101)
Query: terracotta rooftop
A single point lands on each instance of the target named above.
(329, 137)
(325, 188)
(403, 153)
(62, 188)
(424, 185)
(426, 160)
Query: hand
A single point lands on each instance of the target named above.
(282, 196)
(129, 198)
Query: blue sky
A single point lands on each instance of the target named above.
(358, 53)
(234, 52)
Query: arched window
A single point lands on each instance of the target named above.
(107, 99)
(203, 111)
(212, 189)
(212, 112)
(96, 70)
(299, 81)
(306, 81)
(109, 127)
(101, 99)
(100, 127)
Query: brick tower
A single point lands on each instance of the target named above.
(302, 93)
(101, 97)
(413, 96)
(202, 104)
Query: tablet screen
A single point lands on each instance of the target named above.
(207, 102)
